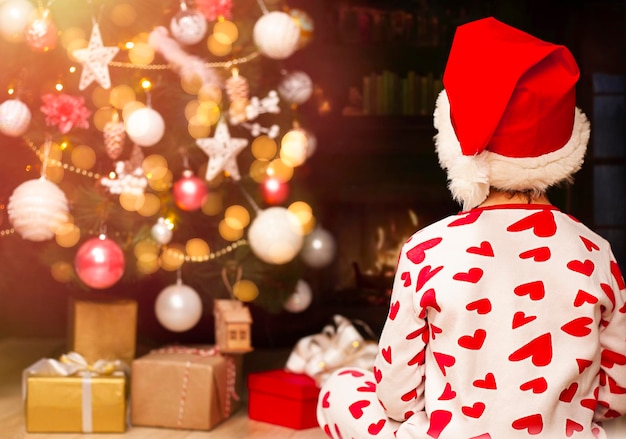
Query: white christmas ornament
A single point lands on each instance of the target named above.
(95, 59)
(296, 87)
(15, 118)
(300, 299)
(188, 26)
(162, 232)
(222, 151)
(178, 307)
(37, 208)
(15, 16)
(276, 35)
(276, 235)
(318, 249)
(145, 126)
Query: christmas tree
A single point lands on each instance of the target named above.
(160, 141)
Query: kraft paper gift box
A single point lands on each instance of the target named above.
(73, 397)
(184, 388)
(103, 329)
(283, 398)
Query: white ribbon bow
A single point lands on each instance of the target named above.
(338, 345)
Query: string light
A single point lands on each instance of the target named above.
(217, 64)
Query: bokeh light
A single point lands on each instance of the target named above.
(245, 290)
(67, 235)
(151, 205)
(62, 271)
(237, 216)
(280, 170)
(123, 14)
(225, 31)
(212, 204)
(83, 157)
(264, 148)
(121, 96)
(172, 258)
(229, 233)
(197, 249)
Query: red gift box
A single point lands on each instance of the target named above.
(283, 398)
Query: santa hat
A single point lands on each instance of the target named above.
(507, 116)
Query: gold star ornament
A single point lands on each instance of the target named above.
(222, 151)
(95, 59)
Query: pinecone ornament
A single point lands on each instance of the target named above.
(237, 88)
(114, 137)
(238, 92)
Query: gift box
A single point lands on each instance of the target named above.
(103, 329)
(69, 398)
(283, 398)
(184, 388)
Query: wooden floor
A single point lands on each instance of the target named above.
(17, 354)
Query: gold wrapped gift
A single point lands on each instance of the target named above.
(104, 329)
(186, 388)
(71, 396)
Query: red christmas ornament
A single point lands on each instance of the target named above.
(274, 191)
(99, 262)
(41, 35)
(189, 191)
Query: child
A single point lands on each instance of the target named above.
(507, 320)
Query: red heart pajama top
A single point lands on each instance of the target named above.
(504, 322)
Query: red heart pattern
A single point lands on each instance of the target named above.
(368, 387)
(539, 254)
(439, 419)
(484, 249)
(393, 310)
(568, 394)
(325, 403)
(475, 341)
(535, 290)
(578, 327)
(541, 223)
(572, 427)
(583, 297)
(489, 382)
(418, 253)
(443, 361)
(472, 276)
(533, 424)
(376, 427)
(474, 411)
(520, 319)
(539, 350)
(406, 277)
(356, 409)
(589, 244)
(583, 267)
(538, 385)
(447, 393)
(445, 285)
(425, 275)
(481, 306)
(469, 218)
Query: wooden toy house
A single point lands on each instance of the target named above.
(232, 326)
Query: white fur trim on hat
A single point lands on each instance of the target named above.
(469, 177)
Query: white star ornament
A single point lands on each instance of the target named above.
(95, 59)
(222, 151)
